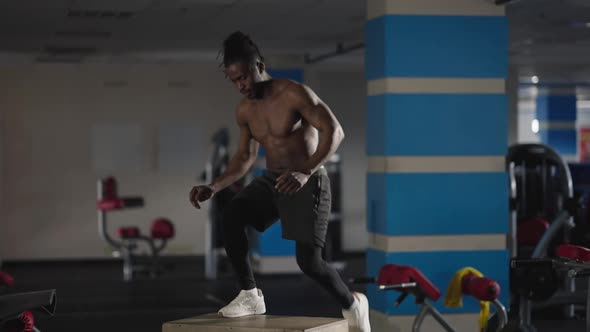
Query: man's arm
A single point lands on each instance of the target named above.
(319, 115)
(244, 157)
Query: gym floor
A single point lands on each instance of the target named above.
(91, 295)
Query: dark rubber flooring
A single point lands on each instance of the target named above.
(91, 295)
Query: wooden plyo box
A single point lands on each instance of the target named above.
(264, 323)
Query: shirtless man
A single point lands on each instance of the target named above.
(299, 133)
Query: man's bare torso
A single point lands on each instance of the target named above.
(287, 139)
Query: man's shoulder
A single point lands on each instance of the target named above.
(291, 88)
(284, 84)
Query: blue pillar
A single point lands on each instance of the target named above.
(270, 252)
(556, 113)
(436, 140)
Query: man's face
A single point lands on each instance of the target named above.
(243, 76)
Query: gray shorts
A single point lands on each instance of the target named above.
(304, 215)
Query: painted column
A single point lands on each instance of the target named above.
(437, 192)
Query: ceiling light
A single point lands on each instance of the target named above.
(535, 79)
(535, 126)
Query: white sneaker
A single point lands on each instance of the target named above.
(358, 314)
(246, 303)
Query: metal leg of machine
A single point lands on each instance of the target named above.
(525, 315)
(437, 316)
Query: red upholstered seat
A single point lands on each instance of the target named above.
(6, 279)
(391, 274)
(109, 188)
(25, 322)
(482, 288)
(108, 198)
(531, 230)
(110, 204)
(28, 321)
(119, 203)
(162, 228)
(573, 252)
(128, 232)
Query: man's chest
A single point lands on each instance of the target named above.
(273, 119)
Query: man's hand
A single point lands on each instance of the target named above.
(291, 182)
(200, 194)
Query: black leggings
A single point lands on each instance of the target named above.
(309, 259)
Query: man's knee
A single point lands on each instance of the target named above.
(309, 263)
(231, 216)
